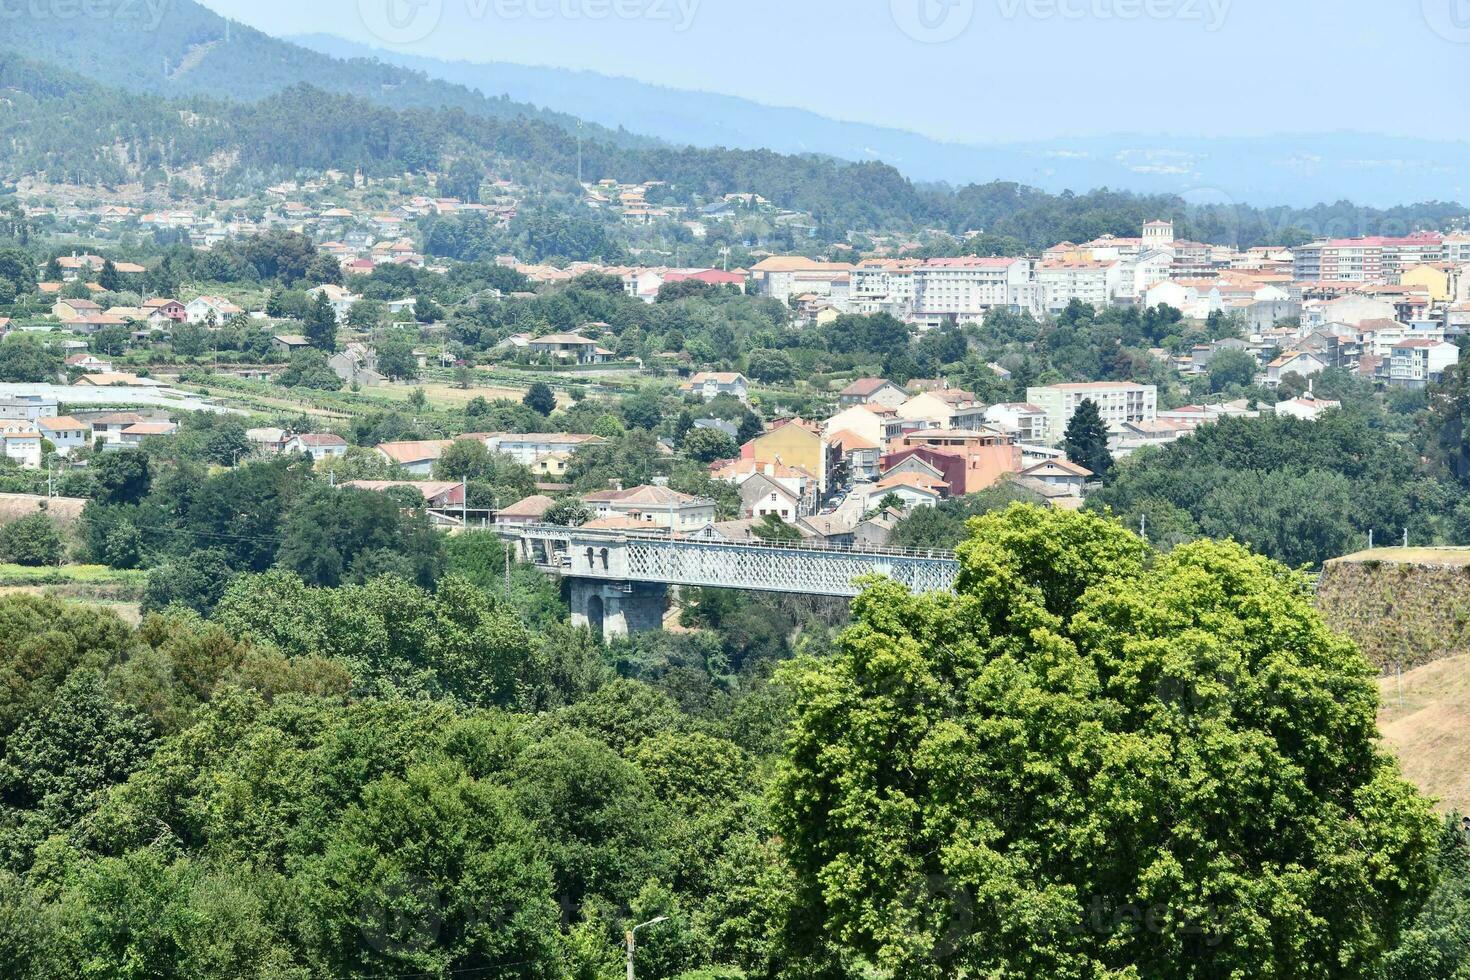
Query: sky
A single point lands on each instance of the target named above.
(973, 71)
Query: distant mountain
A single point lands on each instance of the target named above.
(1287, 169)
(191, 50)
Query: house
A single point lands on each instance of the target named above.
(317, 445)
(569, 347)
(654, 506)
(1308, 407)
(527, 511)
(88, 363)
(911, 489)
(878, 391)
(712, 384)
(75, 309)
(26, 406)
(1027, 421)
(552, 465)
(859, 456)
(949, 408)
(797, 443)
(109, 428)
(1060, 473)
(207, 309)
(267, 440)
(527, 448)
(988, 455)
(289, 343)
(65, 433)
(1296, 362)
(357, 364)
(719, 425)
(797, 482)
(340, 299)
(416, 458)
(22, 442)
(170, 310)
(441, 495)
(133, 435)
(761, 496)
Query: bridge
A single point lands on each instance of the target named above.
(619, 579)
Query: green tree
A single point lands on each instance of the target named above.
(1232, 369)
(396, 358)
(25, 358)
(321, 324)
(123, 477)
(709, 445)
(309, 369)
(33, 540)
(569, 512)
(1086, 764)
(540, 398)
(1086, 440)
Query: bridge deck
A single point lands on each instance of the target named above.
(764, 566)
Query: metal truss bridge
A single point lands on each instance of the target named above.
(803, 569)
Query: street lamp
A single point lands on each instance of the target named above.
(632, 931)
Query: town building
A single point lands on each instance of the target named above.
(1117, 401)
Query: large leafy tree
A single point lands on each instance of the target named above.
(1086, 764)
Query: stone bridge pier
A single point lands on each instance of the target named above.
(617, 608)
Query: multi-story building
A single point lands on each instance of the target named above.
(1027, 421)
(883, 286)
(785, 276)
(1118, 402)
(1416, 363)
(1097, 283)
(1374, 259)
(964, 288)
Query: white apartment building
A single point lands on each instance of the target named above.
(1097, 283)
(527, 448)
(1027, 421)
(1374, 259)
(1415, 363)
(883, 286)
(964, 288)
(1118, 402)
(783, 277)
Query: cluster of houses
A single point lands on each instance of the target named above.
(630, 202)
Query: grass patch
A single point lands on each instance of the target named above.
(71, 575)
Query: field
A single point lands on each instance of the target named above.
(1426, 721)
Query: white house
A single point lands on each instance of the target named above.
(712, 384)
(341, 300)
(1060, 473)
(1295, 362)
(22, 442)
(319, 446)
(201, 309)
(65, 433)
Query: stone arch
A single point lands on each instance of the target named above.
(595, 614)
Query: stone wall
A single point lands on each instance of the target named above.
(1401, 611)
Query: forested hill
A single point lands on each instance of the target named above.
(188, 50)
(74, 130)
(78, 131)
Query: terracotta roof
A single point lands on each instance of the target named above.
(533, 506)
(415, 452)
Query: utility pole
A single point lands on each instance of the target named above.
(629, 937)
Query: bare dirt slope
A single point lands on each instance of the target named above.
(1426, 721)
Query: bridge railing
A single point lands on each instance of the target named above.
(544, 531)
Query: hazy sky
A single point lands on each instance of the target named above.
(974, 70)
